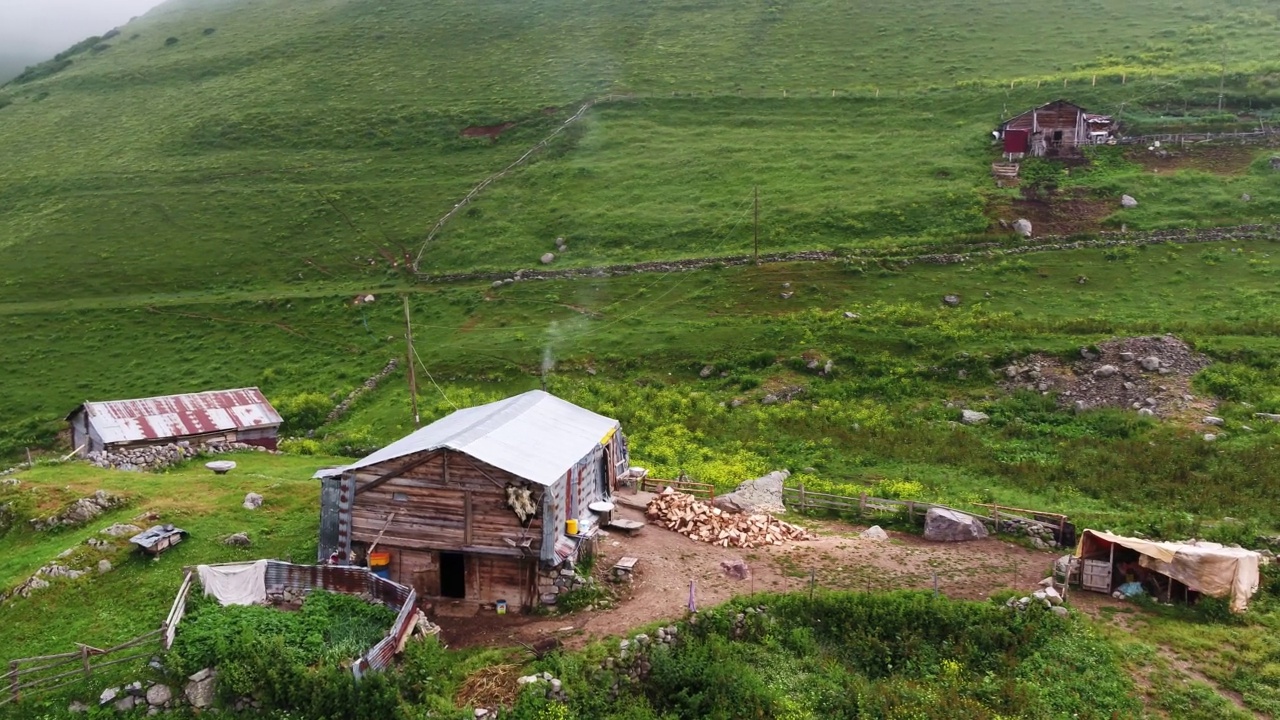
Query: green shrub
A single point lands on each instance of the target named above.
(302, 412)
(301, 446)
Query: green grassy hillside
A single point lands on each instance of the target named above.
(242, 145)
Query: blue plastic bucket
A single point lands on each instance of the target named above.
(383, 572)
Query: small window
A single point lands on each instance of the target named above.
(400, 497)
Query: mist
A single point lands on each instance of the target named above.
(35, 30)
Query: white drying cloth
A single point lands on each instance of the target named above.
(244, 584)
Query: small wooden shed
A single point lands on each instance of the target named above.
(1055, 129)
(487, 504)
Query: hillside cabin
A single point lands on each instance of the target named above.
(220, 416)
(486, 505)
(1167, 571)
(1058, 129)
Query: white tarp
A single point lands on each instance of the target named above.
(240, 584)
(1205, 567)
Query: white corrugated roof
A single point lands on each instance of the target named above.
(536, 436)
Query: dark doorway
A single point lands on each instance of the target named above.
(604, 474)
(453, 575)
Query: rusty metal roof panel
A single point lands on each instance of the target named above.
(178, 416)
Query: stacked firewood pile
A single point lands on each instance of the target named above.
(689, 516)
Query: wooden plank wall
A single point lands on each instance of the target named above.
(431, 503)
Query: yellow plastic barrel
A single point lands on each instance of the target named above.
(379, 559)
(571, 526)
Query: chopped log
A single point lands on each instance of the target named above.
(691, 517)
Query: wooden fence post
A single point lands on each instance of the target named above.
(84, 660)
(862, 504)
(802, 506)
(13, 679)
(911, 511)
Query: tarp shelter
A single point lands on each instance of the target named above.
(1203, 567)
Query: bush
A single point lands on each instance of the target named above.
(170, 41)
(302, 412)
(300, 446)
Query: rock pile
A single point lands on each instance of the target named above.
(1148, 374)
(151, 698)
(365, 387)
(785, 395)
(692, 518)
(1048, 597)
(1041, 536)
(159, 457)
(80, 512)
(555, 689)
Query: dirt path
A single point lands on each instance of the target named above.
(838, 559)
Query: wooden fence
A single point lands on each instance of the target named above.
(804, 501)
(706, 491)
(36, 675)
(1189, 138)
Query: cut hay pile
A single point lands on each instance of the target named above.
(693, 518)
(491, 687)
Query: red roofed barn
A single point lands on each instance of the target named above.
(242, 416)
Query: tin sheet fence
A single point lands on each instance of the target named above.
(35, 676)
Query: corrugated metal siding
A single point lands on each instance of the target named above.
(178, 416)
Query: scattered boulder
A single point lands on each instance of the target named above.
(239, 539)
(125, 704)
(950, 526)
(81, 511)
(200, 688)
(77, 707)
(761, 495)
(159, 695)
(875, 532)
(1022, 226)
(951, 300)
(1128, 201)
(786, 295)
(1060, 611)
(1210, 437)
(1105, 371)
(1246, 197)
(122, 530)
(1273, 417)
(706, 371)
(1150, 363)
(1146, 412)
(1211, 420)
(252, 501)
(973, 417)
(104, 566)
(548, 258)
(109, 695)
(736, 569)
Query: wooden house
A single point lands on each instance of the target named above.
(242, 416)
(1056, 129)
(487, 504)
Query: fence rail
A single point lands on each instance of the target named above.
(805, 501)
(688, 487)
(1187, 138)
(41, 674)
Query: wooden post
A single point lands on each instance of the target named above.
(466, 511)
(995, 517)
(29, 463)
(413, 377)
(13, 680)
(935, 582)
(802, 506)
(84, 659)
(862, 504)
(911, 511)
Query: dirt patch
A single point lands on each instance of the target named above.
(1060, 213)
(487, 131)
(1212, 158)
(839, 559)
(1139, 373)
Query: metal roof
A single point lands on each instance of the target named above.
(536, 436)
(177, 416)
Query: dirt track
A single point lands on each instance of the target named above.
(838, 559)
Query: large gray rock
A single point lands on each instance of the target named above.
(239, 539)
(951, 526)
(122, 530)
(252, 501)
(548, 258)
(973, 417)
(875, 532)
(1022, 226)
(1128, 201)
(762, 495)
(200, 688)
(1150, 363)
(159, 695)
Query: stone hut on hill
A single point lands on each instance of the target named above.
(1056, 129)
(487, 504)
(240, 416)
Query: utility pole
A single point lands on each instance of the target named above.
(1222, 81)
(757, 225)
(413, 376)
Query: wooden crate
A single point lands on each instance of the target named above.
(1095, 575)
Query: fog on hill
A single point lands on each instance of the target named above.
(31, 32)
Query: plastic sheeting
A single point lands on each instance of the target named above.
(1205, 567)
(243, 584)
